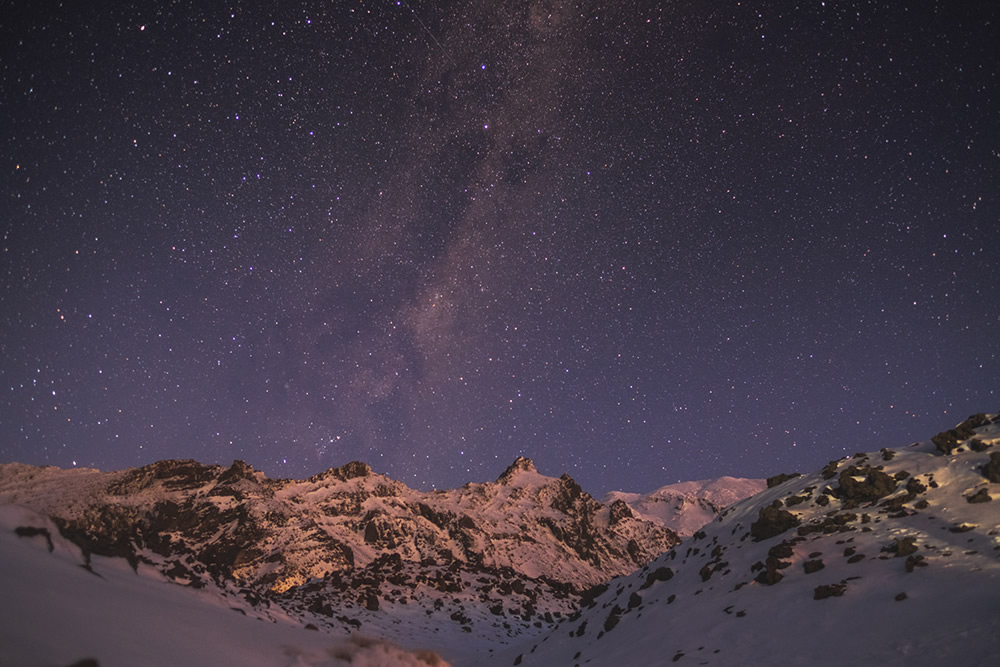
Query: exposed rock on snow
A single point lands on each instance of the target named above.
(898, 549)
(348, 548)
(887, 543)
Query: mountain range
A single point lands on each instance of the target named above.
(891, 556)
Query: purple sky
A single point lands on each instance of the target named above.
(639, 243)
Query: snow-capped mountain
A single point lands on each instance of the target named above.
(687, 506)
(350, 549)
(207, 522)
(888, 558)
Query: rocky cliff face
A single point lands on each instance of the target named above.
(349, 540)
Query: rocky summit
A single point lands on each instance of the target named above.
(345, 545)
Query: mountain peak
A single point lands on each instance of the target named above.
(344, 472)
(519, 464)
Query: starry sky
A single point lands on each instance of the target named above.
(638, 242)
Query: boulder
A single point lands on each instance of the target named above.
(992, 468)
(772, 521)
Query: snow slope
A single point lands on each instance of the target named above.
(687, 506)
(471, 569)
(887, 558)
(54, 611)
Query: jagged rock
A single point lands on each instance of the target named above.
(980, 496)
(569, 494)
(833, 523)
(948, 440)
(620, 511)
(781, 478)
(351, 470)
(381, 531)
(978, 445)
(783, 550)
(237, 471)
(772, 521)
(659, 574)
(904, 546)
(173, 475)
(992, 468)
(589, 596)
(811, 566)
(521, 463)
(792, 501)
(613, 618)
(874, 484)
(828, 590)
(914, 487)
(770, 574)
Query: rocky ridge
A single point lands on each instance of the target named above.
(346, 546)
(882, 557)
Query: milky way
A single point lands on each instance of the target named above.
(639, 243)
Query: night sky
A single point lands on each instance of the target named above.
(638, 242)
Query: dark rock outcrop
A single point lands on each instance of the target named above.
(980, 496)
(874, 484)
(620, 511)
(772, 521)
(781, 478)
(992, 468)
(521, 463)
(946, 441)
(829, 590)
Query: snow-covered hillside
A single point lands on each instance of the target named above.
(687, 506)
(887, 558)
(890, 557)
(53, 611)
(282, 533)
(350, 550)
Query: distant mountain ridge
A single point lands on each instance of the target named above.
(687, 506)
